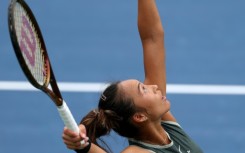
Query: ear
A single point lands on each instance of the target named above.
(139, 117)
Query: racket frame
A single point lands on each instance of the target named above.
(54, 94)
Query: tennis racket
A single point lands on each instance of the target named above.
(33, 58)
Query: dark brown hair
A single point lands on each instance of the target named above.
(114, 111)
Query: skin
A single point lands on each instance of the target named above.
(148, 97)
(72, 140)
(150, 94)
(151, 99)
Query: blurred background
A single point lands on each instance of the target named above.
(97, 42)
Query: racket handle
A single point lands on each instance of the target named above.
(68, 119)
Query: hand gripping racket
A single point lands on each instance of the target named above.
(33, 58)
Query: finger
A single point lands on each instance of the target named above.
(71, 139)
(73, 144)
(69, 132)
(86, 143)
(76, 145)
(84, 137)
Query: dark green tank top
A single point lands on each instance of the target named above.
(180, 141)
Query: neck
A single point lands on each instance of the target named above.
(153, 134)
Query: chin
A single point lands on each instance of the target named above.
(167, 104)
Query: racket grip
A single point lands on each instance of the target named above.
(68, 119)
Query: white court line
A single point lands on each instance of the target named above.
(98, 87)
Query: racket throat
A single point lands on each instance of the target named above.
(57, 100)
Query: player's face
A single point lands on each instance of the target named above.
(148, 97)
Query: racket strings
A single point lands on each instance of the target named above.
(30, 45)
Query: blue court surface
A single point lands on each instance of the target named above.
(97, 42)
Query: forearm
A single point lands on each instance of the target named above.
(149, 22)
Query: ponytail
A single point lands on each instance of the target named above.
(98, 123)
(114, 111)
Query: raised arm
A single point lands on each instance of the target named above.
(152, 37)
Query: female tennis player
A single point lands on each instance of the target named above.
(137, 110)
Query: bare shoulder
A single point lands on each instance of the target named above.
(133, 149)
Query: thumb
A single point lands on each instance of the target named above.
(82, 129)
